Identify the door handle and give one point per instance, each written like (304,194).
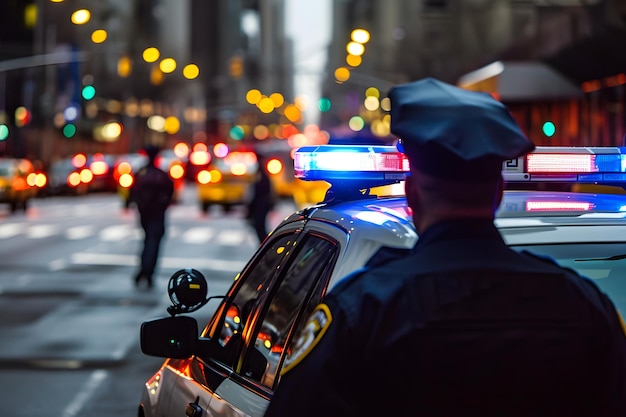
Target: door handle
(193,409)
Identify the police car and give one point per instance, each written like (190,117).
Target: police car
(233,365)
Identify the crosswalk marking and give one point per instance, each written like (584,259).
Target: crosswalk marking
(41,231)
(198,235)
(11,229)
(79,232)
(194,235)
(118,233)
(85,258)
(232,237)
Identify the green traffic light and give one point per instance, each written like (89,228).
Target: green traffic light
(4,132)
(69,130)
(548,129)
(237,133)
(324,104)
(88,92)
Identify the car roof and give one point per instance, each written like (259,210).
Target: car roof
(372,223)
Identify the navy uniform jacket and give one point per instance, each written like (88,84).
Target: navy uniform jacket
(463,325)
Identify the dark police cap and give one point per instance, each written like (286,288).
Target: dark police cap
(452,133)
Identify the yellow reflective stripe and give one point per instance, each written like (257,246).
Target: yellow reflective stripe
(311,334)
(621,320)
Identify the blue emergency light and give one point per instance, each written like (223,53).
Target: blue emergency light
(351,168)
(379,165)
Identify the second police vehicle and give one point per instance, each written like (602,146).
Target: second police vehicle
(231,365)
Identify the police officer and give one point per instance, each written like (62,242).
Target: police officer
(461,325)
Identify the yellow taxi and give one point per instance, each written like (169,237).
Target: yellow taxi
(19,182)
(304,193)
(227,181)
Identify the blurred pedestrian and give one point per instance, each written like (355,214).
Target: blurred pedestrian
(262,200)
(462,324)
(152,192)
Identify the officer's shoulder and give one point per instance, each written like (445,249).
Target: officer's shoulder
(585,285)
(540,257)
(378,262)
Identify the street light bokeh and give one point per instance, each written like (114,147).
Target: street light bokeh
(167,65)
(99,36)
(151,54)
(360,36)
(191,71)
(81,16)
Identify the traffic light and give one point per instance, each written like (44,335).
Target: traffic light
(4,132)
(22,116)
(88,92)
(548,129)
(69,130)
(324,104)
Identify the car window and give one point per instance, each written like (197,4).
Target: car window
(301,280)
(251,291)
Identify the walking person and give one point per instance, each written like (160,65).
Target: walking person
(462,324)
(262,201)
(152,193)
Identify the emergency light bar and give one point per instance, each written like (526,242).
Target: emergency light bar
(379,165)
(568,164)
(350,168)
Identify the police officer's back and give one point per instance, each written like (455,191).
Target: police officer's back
(461,325)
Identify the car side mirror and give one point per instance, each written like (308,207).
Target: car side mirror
(170,337)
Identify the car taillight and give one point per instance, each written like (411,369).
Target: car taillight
(274,166)
(209,177)
(126,180)
(86,176)
(37,179)
(73,180)
(99,167)
(123,168)
(177,171)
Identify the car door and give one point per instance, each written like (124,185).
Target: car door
(268,323)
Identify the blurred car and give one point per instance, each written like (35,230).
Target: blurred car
(227,181)
(234,366)
(101,167)
(279,165)
(62,175)
(18,183)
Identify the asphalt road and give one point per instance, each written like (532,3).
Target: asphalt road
(69,311)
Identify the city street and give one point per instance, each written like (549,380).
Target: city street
(70,314)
